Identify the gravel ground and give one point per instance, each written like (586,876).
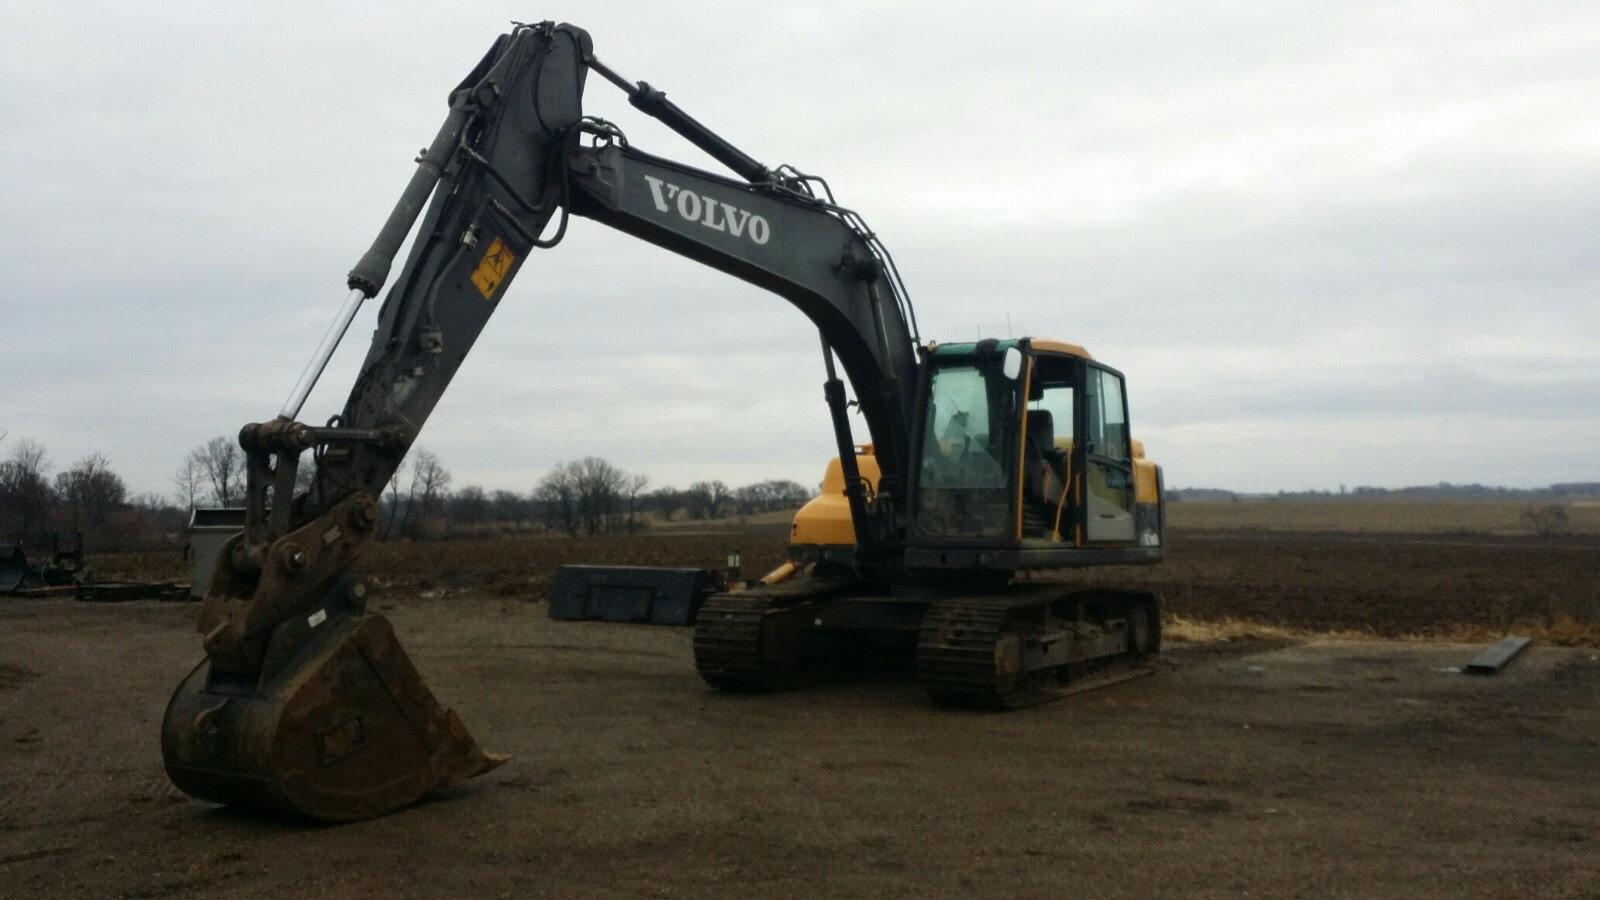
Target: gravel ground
(1252,767)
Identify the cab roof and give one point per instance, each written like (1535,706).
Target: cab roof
(1042,345)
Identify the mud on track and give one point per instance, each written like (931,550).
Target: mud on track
(1312,769)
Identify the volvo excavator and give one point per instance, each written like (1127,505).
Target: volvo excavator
(989,462)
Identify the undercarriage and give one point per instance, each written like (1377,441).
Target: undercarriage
(1013,646)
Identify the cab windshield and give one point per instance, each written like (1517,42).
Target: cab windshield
(966,446)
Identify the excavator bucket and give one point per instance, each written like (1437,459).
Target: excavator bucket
(345,729)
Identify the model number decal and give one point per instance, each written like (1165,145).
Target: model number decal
(708,211)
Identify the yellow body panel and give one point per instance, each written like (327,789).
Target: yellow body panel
(826,519)
(1144,482)
(1050,346)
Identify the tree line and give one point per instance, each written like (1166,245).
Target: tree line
(87,497)
(589,496)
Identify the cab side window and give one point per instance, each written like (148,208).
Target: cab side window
(1108,423)
(1109,476)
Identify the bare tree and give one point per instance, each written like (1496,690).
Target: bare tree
(221,463)
(556,495)
(435,483)
(430,483)
(394,503)
(90,491)
(508,507)
(633,488)
(708,499)
(190,481)
(721,496)
(665,501)
(697,500)
(590,495)
(599,491)
(470,505)
(766,496)
(25,495)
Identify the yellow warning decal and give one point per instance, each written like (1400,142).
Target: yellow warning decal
(492,270)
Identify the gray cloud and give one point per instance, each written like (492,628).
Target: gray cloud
(1327,244)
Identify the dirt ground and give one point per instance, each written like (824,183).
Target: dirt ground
(1257,766)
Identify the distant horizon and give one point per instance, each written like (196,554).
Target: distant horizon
(1558,489)
(753,475)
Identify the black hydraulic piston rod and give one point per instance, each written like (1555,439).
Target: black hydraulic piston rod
(654,103)
(367,278)
(373,270)
(854,492)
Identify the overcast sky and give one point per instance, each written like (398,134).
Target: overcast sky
(1328,243)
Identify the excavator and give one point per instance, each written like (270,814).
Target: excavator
(990,462)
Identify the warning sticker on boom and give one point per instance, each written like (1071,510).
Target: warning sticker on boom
(492,270)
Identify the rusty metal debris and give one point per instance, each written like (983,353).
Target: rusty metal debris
(64,566)
(66,572)
(123,591)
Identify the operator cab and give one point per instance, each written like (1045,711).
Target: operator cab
(1025,461)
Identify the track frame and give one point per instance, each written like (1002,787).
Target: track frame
(1005,648)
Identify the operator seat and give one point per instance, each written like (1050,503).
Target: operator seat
(1047,471)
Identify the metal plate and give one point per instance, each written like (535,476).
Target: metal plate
(643,594)
(1493,659)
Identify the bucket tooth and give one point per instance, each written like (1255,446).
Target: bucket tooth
(345,731)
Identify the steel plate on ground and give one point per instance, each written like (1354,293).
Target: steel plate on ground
(1494,659)
(645,594)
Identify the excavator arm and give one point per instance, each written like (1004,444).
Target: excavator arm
(304,702)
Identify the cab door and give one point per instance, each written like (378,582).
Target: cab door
(1106,510)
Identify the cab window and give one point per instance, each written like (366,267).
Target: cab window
(962,483)
(959,449)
